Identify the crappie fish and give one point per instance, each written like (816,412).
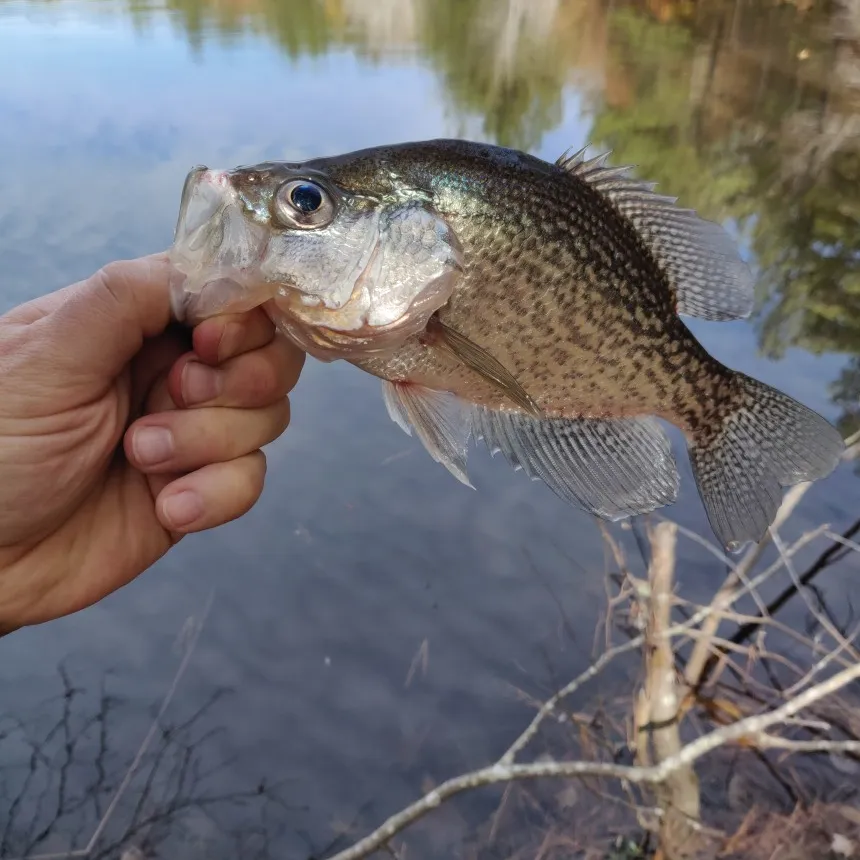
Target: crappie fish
(535,305)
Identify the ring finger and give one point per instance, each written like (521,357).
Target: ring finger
(181,441)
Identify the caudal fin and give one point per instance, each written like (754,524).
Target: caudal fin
(768,442)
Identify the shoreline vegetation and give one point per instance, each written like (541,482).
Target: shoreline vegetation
(747,112)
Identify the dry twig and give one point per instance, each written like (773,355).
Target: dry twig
(743,730)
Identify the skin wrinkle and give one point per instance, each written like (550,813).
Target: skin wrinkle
(89,428)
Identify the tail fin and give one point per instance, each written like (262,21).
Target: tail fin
(768,442)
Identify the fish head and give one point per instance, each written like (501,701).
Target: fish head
(345,272)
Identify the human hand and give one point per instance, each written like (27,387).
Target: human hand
(117,438)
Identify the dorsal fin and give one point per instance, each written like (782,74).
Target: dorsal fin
(702,263)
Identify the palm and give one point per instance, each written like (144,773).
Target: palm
(73,481)
(85,375)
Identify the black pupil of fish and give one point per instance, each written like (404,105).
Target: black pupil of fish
(306,198)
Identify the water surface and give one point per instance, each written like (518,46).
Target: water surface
(362,550)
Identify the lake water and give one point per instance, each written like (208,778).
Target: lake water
(372,620)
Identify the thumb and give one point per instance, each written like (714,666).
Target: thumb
(100,324)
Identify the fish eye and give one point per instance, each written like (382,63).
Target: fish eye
(306,197)
(303,204)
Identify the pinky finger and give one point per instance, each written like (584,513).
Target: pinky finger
(212,495)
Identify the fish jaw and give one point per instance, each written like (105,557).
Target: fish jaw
(371,324)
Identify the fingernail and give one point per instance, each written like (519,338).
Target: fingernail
(152,445)
(182,509)
(200,383)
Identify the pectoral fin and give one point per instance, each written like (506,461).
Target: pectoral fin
(479,360)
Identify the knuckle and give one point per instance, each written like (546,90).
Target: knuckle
(11,341)
(292,369)
(205,439)
(273,423)
(112,280)
(112,274)
(110,271)
(290,354)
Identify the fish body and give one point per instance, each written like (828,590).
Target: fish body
(556,286)
(535,305)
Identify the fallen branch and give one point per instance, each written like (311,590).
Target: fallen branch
(727,595)
(746,729)
(820,564)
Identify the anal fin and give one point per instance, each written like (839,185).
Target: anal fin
(612,468)
(440,419)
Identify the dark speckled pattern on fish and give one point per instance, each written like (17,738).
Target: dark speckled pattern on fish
(557,286)
(556,333)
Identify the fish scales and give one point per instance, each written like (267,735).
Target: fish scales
(562,277)
(535,305)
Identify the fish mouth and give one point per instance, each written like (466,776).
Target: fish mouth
(203,198)
(216,247)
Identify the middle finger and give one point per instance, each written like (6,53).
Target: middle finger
(249,381)
(229,335)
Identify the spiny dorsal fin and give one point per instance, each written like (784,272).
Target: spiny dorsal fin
(709,278)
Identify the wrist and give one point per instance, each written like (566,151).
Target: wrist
(23,586)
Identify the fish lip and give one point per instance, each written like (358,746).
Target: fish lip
(190,180)
(206,194)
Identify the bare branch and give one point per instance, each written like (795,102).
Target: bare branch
(826,660)
(165,704)
(659,701)
(747,729)
(821,563)
(726,596)
(552,703)
(611,654)
(825,622)
(193,628)
(766,741)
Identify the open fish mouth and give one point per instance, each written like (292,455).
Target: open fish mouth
(217,248)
